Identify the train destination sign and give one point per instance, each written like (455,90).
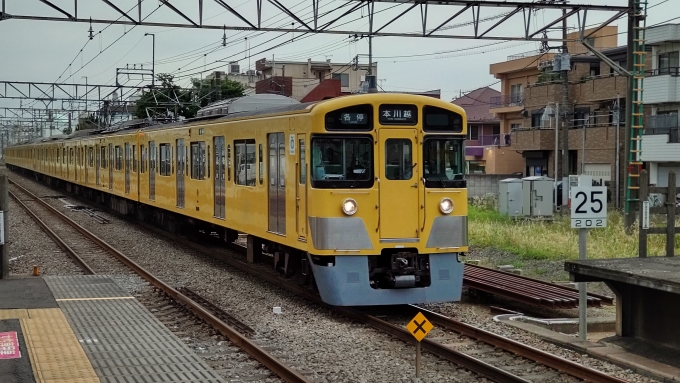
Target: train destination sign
(419,326)
(398,114)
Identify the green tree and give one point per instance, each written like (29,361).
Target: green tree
(210,90)
(169,97)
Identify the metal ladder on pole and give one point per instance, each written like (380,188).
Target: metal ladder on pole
(637,121)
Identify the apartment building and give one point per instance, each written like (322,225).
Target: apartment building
(311,80)
(661,136)
(532,94)
(486,149)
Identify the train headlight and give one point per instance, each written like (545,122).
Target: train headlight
(349,206)
(446,205)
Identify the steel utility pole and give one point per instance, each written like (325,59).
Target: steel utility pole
(153,58)
(565,106)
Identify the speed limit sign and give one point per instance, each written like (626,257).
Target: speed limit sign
(589,207)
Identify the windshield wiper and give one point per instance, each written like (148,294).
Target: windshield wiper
(357,179)
(441,180)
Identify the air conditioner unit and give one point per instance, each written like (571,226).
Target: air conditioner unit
(234,68)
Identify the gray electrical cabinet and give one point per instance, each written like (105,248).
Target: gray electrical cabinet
(510,197)
(537,196)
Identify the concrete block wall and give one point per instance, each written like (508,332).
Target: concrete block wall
(479,185)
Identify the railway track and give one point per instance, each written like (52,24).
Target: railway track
(491,356)
(94,256)
(494,357)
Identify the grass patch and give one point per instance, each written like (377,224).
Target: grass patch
(556,239)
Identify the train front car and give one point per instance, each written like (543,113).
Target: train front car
(387,200)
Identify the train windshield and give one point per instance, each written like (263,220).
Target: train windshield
(443,163)
(342,162)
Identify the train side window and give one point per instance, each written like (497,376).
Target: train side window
(165,159)
(63,155)
(90,156)
(58,155)
(142,165)
(198,160)
(134,158)
(228,162)
(244,162)
(303,162)
(103,156)
(118,158)
(261,167)
(70,156)
(208,162)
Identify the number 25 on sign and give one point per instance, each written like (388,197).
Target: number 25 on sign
(589,207)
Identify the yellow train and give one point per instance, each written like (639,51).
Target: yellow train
(363,196)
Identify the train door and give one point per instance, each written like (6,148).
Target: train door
(398,183)
(128,155)
(97,165)
(301,189)
(152,170)
(277,182)
(111,163)
(180,172)
(218,195)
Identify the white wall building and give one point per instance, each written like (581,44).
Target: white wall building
(661,139)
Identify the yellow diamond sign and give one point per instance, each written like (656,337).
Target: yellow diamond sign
(419,326)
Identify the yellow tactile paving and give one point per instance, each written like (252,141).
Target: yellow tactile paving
(13,314)
(56,355)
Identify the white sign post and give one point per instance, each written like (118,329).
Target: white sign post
(588,211)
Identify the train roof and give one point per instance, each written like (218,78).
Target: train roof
(299,108)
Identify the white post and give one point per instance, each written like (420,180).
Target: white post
(417,379)
(582,293)
(557,124)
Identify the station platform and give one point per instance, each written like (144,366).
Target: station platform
(85,328)
(647,302)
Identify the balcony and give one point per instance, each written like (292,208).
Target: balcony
(506,103)
(662,85)
(533,139)
(490,140)
(664,124)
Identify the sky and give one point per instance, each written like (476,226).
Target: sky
(41,51)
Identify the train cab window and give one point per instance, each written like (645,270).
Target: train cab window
(340,162)
(443,160)
(145,158)
(118,158)
(198,160)
(398,159)
(165,158)
(244,162)
(103,156)
(441,120)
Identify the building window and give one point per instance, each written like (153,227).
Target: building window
(669,63)
(474,132)
(594,69)
(581,116)
(536,118)
(516,94)
(476,167)
(515,127)
(343,77)
(244,162)
(166,160)
(198,160)
(496,129)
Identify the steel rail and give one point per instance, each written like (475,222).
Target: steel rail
(60,242)
(268,360)
(532,353)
